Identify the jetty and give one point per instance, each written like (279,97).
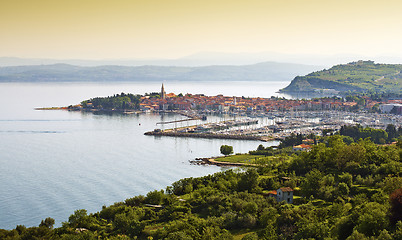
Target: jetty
(176,121)
(213,161)
(190,116)
(208,135)
(213,130)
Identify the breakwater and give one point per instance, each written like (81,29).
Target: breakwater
(213,161)
(209,135)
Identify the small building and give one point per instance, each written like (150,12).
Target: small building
(282,194)
(302,147)
(391,108)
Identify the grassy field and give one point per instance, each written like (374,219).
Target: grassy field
(240,158)
(253,159)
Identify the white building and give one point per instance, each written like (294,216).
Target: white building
(387,108)
(282,194)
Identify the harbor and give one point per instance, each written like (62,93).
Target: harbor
(272,125)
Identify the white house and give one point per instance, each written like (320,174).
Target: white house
(282,194)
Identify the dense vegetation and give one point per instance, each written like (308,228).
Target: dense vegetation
(380,136)
(349,133)
(361,76)
(342,191)
(116,102)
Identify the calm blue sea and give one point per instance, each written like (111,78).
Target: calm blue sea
(55,162)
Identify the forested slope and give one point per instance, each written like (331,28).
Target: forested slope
(342,191)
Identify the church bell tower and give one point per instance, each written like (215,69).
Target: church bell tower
(163,93)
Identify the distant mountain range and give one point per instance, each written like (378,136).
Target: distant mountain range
(266,71)
(360,76)
(207,59)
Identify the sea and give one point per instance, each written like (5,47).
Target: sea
(53,162)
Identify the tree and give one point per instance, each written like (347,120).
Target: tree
(79,219)
(249,180)
(155,197)
(48,222)
(392,132)
(372,219)
(356,236)
(343,189)
(396,206)
(311,184)
(226,150)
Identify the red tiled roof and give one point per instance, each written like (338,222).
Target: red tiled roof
(302,146)
(286,189)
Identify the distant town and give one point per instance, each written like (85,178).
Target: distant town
(222,103)
(282,117)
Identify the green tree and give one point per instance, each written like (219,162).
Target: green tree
(260,147)
(48,222)
(343,189)
(251,236)
(356,236)
(249,180)
(396,206)
(384,235)
(226,150)
(79,219)
(180,235)
(392,131)
(373,219)
(311,184)
(155,197)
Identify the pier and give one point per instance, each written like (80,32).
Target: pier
(176,121)
(212,130)
(209,135)
(190,116)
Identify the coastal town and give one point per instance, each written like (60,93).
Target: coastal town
(246,118)
(234,104)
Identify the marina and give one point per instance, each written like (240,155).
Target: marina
(274,125)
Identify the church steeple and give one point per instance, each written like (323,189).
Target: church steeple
(163,93)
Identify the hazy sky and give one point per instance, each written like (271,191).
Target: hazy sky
(109,29)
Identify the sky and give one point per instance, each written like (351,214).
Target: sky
(147,29)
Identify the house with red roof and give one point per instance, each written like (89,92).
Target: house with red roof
(282,194)
(302,147)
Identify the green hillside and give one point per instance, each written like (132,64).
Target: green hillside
(361,76)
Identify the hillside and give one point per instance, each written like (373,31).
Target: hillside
(361,76)
(335,191)
(267,71)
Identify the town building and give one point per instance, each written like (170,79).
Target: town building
(391,108)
